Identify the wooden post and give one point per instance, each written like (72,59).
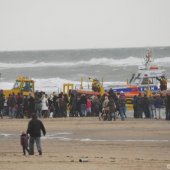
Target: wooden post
(81,85)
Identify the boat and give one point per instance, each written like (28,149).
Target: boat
(96,89)
(145,80)
(147,76)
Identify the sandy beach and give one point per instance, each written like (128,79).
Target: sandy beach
(131,144)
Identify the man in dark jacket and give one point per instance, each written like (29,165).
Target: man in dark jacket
(35,126)
(2,100)
(167,106)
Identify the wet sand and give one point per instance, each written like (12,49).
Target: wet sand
(131,144)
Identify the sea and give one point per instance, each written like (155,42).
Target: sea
(52,68)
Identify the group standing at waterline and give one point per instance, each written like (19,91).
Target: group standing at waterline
(107,107)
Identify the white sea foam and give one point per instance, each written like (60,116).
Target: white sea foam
(130,61)
(56,84)
(92,140)
(58,136)
(63,138)
(5,135)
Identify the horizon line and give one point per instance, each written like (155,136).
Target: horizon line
(74,49)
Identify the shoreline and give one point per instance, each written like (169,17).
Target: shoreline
(130,144)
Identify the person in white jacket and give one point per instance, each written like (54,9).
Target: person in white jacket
(44,105)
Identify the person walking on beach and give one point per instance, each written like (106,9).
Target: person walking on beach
(152,109)
(83,102)
(146,106)
(35,126)
(2,100)
(24,142)
(96,104)
(139,102)
(167,106)
(38,105)
(73,106)
(112,108)
(19,105)
(45,106)
(122,105)
(88,106)
(134,101)
(31,105)
(11,102)
(158,105)
(105,109)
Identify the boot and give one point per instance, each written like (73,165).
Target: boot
(1,115)
(40,152)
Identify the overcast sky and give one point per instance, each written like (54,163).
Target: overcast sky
(79,24)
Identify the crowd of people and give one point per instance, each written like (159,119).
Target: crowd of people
(151,107)
(60,105)
(107,107)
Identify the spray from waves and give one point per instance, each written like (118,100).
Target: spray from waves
(47,85)
(130,61)
(56,84)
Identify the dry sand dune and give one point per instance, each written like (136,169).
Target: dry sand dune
(131,144)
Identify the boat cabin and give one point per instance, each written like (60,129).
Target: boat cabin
(147,77)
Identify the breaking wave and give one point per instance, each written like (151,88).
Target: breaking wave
(130,61)
(56,84)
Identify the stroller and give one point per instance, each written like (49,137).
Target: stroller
(105,115)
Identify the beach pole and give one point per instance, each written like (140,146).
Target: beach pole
(148,92)
(0,78)
(102,88)
(81,85)
(102,82)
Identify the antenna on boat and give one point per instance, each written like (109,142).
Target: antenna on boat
(148,58)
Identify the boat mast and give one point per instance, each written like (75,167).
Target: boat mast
(148,58)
